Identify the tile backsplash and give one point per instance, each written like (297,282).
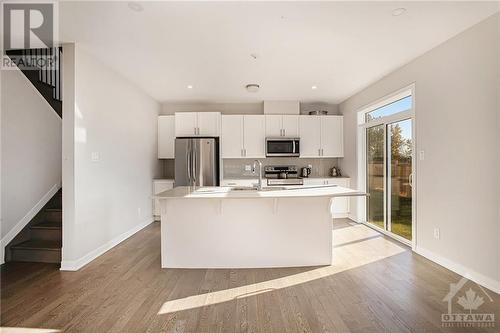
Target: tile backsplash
(235,168)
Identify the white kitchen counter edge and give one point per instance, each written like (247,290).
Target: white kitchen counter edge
(185,192)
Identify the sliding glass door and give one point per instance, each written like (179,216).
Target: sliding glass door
(399,178)
(375,166)
(389,167)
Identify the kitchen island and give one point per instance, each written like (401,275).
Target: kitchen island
(224,227)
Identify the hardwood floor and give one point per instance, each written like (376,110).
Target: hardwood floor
(375,285)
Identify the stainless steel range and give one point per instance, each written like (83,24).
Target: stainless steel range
(282,175)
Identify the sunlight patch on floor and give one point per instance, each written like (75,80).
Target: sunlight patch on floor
(27,330)
(360,246)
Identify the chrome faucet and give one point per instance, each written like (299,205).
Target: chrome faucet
(255,162)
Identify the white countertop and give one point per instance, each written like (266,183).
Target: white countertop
(186,192)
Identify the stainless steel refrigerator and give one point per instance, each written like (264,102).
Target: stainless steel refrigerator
(196,162)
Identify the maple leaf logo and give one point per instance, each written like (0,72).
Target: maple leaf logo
(471,301)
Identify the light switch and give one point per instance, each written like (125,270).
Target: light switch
(421,155)
(95,156)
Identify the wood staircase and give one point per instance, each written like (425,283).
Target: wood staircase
(41,239)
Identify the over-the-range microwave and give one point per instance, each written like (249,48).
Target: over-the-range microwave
(282,147)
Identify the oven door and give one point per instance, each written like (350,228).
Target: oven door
(282,147)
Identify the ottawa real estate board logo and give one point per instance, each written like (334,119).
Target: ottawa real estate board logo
(30,26)
(465,299)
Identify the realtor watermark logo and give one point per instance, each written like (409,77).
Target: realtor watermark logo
(28,25)
(469,296)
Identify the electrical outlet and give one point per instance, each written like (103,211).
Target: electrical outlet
(421,155)
(436,233)
(248,167)
(95,156)
(139,211)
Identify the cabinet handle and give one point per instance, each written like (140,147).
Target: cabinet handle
(245,151)
(284,132)
(319,152)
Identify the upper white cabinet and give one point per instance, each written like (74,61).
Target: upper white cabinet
(209,123)
(321,136)
(197,124)
(232,136)
(186,123)
(310,136)
(332,136)
(243,136)
(166,136)
(254,136)
(282,126)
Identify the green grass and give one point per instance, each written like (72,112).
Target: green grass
(401,217)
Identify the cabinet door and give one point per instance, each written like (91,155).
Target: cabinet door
(274,126)
(291,126)
(310,136)
(340,207)
(166,136)
(332,137)
(158,187)
(185,124)
(232,136)
(254,136)
(209,123)
(314,181)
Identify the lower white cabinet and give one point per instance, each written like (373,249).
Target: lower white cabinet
(160,185)
(340,207)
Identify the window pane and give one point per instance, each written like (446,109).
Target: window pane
(375,142)
(400,182)
(392,108)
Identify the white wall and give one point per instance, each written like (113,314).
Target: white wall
(239,108)
(457,89)
(112,196)
(31,153)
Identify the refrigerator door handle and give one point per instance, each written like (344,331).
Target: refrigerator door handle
(194,171)
(188,162)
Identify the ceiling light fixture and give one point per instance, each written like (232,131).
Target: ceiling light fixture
(398,11)
(190,86)
(252,87)
(314,87)
(135,6)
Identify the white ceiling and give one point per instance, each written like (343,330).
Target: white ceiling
(340,47)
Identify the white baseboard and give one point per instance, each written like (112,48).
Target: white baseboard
(74,265)
(472,275)
(26,219)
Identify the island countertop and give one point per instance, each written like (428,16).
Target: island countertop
(188,192)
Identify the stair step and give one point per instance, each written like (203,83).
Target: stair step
(52,215)
(38,244)
(36,255)
(47,225)
(46,230)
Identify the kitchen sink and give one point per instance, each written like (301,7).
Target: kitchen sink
(252,188)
